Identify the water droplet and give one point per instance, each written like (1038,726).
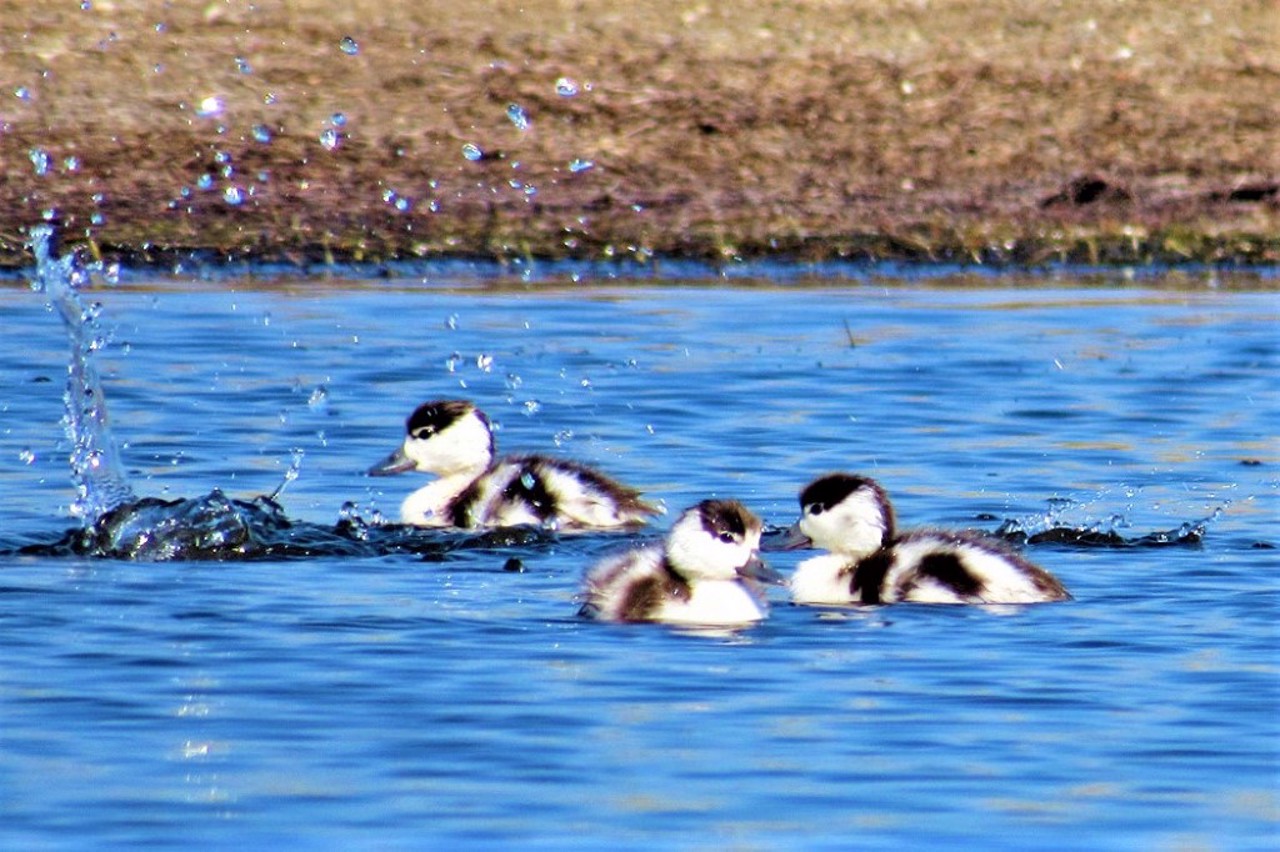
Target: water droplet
(233,195)
(319,398)
(243,66)
(85,5)
(527,480)
(579,165)
(205,182)
(403,204)
(451,322)
(329,139)
(270,98)
(97,219)
(26,456)
(484,362)
(338,119)
(472,152)
(210,107)
(349,46)
(566,87)
(261,133)
(39,159)
(532,407)
(22,93)
(518,116)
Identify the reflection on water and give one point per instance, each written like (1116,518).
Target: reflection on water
(329,680)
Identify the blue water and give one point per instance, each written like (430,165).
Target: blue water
(417,697)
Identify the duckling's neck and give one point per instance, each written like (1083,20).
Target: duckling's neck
(866,542)
(430,504)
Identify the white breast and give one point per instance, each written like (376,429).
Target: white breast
(713,604)
(822,580)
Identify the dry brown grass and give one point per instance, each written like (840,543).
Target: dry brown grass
(867,128)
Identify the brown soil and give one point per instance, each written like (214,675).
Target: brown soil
(1098,131)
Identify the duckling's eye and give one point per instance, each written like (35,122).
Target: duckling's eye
(815,508)
(727,538)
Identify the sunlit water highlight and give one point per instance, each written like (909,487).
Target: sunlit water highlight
(372,686)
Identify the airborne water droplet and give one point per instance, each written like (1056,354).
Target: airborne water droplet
(518,116)
(329,139)
(233,195)
(566,88)
(319,398)
(261,133)
(472,152)
(243,66)
(210,107)
(39,159)
(580,165)
(349,46)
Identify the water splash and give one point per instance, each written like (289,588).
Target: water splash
(96,469)
(1052,527)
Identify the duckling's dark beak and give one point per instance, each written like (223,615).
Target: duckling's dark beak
(395,463)
(757,569)
(790,539)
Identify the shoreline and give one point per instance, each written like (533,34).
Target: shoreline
(943,132)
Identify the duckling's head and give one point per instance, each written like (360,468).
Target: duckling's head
(717,540)
(846,514)
(442,437)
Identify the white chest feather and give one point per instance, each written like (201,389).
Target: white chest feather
(428,506)
(823,579)
(713,604)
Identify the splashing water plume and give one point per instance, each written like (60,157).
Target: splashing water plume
(96,470)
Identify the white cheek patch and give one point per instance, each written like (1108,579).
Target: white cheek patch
(463,445)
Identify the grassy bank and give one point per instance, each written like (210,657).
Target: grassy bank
(1122,131)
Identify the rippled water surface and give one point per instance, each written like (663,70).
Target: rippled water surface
(408,696)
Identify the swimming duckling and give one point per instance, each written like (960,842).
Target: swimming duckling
(702,574)
(453,439)
(871,563)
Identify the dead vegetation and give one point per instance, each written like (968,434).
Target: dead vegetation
(1101,131)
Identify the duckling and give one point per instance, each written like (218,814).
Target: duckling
(454,440)
(701,575)
(872,563)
